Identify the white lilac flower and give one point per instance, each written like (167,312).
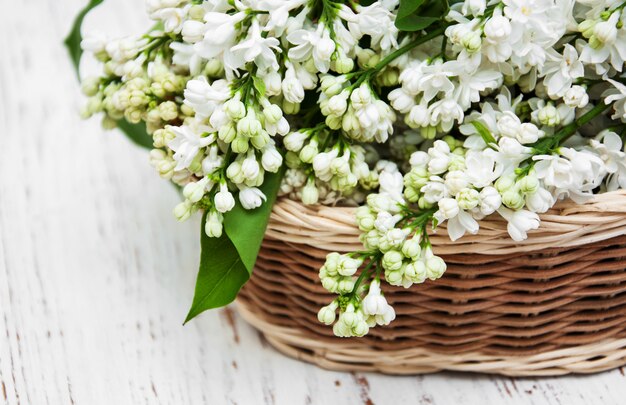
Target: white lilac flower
(617,96)
(576,97)
(278,11)
(519,222)
(312,43)
(376,21)
(204,98)
(255,48)
(560,70)
(497,31)
(187,144)
(220,34)
(540,201)
(251,197)
(481,167)
(607,44)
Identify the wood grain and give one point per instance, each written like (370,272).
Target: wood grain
(96,275)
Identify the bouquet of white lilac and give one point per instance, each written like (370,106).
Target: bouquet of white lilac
(419,112)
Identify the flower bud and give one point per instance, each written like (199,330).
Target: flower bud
(310,193)
(345,285)
(308,153)
(365,219)
(435,267)
(472,42)
(419,116)
(330,85)
(392,260)
(504,183)
(168,111)
(529,133)
(344,65)
(576,97)
(272,113)
(90,86)
(348,266)
(234,173)
(490,200)
(239,144)
(428,132)
(250,167)
(195,191)
(294,141)
(214,68)
(411,248)
(213,225)
(260,140)
(474,7)
(540,201)
(468,198)
(227,133)
(528,184)
(235,109)
(586,27)
(273,82)
(338,104)
(193,31)
(512,199)
(271,160)
(327,314)
(455,181)
(393,277)
(448,208)
(224,200)
(330,284)
(251,198)
(549,116)
(497,28)
(183,211)
(334,122)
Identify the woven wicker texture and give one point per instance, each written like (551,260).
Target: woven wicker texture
(553,304)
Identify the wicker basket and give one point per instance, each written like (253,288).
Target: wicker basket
(554,304)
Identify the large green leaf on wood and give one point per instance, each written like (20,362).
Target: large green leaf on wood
(135,132)
(221,274)
(226,263)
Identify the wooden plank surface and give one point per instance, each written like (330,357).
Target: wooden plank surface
(96,275)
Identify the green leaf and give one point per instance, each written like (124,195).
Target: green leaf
(408,7)
(259,85)
(226,263)
(415,23)
(246,228)
(484,132)
(366,3)
(221,274)
(72,42)
(416,15)
(136,133)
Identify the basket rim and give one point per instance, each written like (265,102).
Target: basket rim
(568,224)
(354,356)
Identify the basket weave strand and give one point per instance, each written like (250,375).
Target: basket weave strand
(553,304)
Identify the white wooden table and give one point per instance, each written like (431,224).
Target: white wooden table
(96,276)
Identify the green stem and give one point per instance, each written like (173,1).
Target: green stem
(367,74)
(419,219)
(549,145)
(566,132)
(406,48)
(375,258)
